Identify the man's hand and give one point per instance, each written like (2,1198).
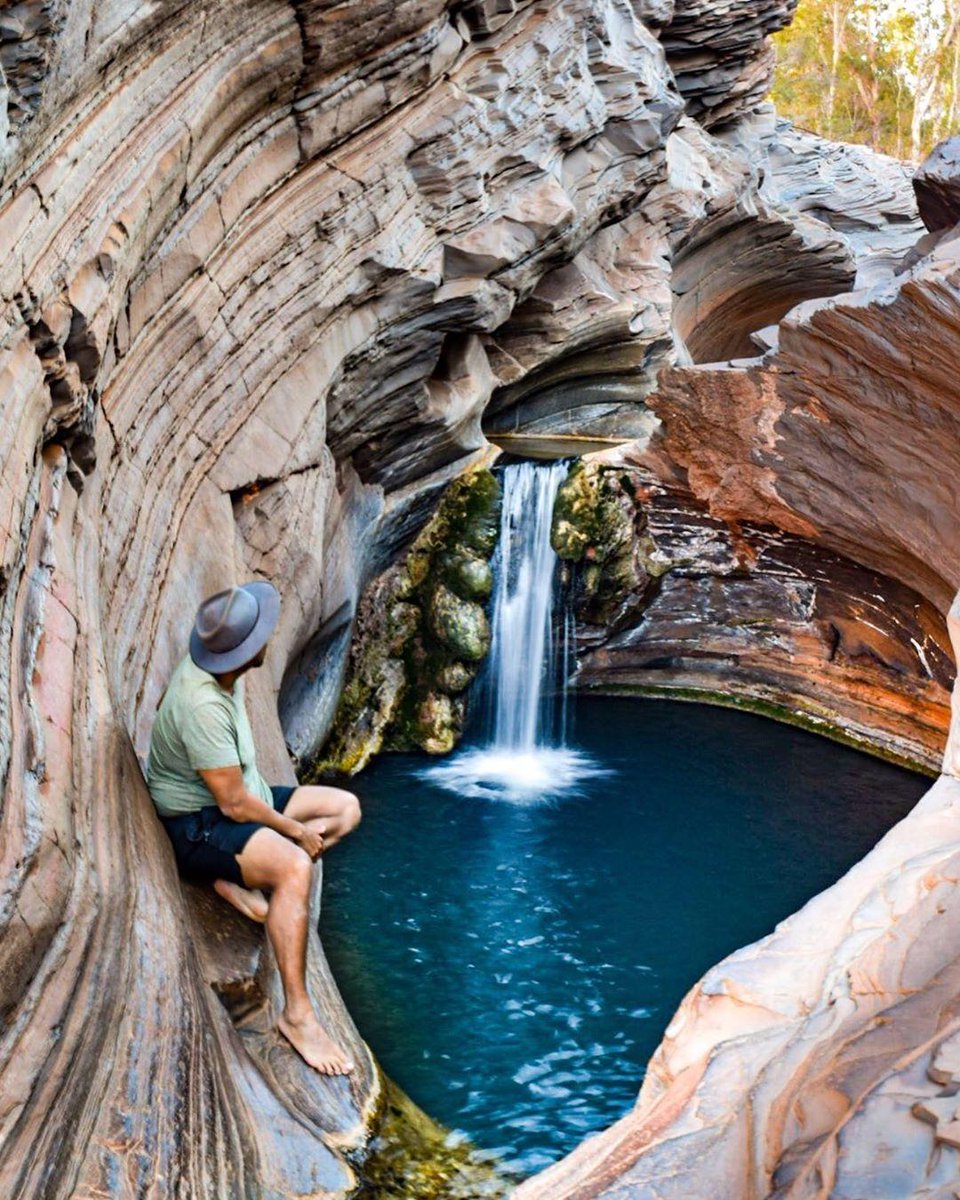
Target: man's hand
(234,801)
(312,842)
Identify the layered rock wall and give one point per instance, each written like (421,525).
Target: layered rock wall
(250,253)
(750,615)
(265,268)
(821,1060)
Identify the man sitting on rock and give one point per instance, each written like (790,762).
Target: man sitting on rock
(226,823)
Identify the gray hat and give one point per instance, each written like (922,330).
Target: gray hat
(233,626)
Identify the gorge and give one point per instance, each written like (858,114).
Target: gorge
(279,281)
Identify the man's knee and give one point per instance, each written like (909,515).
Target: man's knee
(351,811)
(296,868)
(271,860)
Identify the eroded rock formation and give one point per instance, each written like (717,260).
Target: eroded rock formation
(674,600)
(265,269)
(819,1061)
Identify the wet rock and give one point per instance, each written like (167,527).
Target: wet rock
(454,678)
(460,625)
(418,641)
(437,723)
(751,616)
(468,575)
(598,525)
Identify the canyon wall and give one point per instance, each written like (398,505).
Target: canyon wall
(270,274)
(821,1060)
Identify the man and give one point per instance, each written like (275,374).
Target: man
(226,823)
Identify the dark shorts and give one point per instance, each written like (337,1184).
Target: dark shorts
(206,842)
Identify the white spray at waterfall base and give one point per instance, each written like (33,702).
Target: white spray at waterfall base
(524,755)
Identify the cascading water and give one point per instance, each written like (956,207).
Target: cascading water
(523,664)
(523,753)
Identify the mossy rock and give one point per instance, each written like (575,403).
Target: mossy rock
(460,625)
(363,718)
(438,723)
(410,1155)
(420,626)
(416,569)
(403,622)
(599,524)
(585,515)
(471,512)
(467,574)
(455,677)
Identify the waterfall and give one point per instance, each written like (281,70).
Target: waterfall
(522,755)
(526,664)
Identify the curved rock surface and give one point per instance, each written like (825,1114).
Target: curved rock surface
(245,271)
(265,269)
(746,614)
(820,1061)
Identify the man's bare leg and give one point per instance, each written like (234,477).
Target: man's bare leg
(273,861)
(250,901)
(332,812)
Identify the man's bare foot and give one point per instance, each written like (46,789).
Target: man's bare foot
(251,903)
(314,1046)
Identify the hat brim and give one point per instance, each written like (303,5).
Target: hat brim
(268,600)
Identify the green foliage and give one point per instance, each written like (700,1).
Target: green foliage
(881,72)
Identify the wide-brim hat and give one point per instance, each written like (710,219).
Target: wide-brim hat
(233,626)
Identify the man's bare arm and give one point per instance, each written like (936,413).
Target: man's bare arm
(230,793)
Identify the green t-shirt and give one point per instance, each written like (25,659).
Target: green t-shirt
(199,726)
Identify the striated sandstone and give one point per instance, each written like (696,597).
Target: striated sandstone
(820,1060)
(266,270)
(741,229)
(250,255)
(720,56)
(750,615)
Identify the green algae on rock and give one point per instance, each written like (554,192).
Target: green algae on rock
(411,1155)
(421,634)
(458,623)
(600,525)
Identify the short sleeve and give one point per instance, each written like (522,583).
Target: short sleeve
(210,738)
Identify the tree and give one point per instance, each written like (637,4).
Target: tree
(888,66)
